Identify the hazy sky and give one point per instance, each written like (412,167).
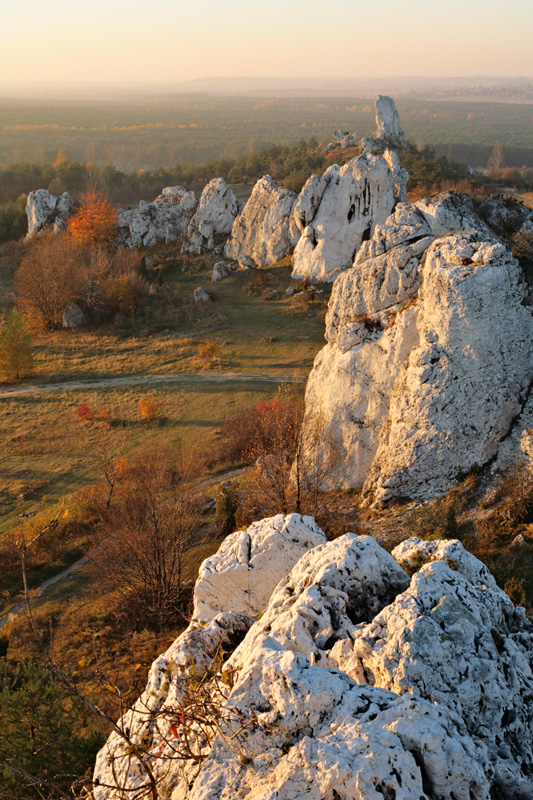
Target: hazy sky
(160,40)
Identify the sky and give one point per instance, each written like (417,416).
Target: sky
(119,41)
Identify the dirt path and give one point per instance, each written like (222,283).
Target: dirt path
(139,380)
(39,591)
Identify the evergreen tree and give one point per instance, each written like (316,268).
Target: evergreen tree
(16,358)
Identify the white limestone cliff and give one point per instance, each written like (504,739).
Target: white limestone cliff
(338,212)
(265,229)
(213,217)
(420,333)
(46,211)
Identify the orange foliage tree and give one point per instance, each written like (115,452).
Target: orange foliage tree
(95,221)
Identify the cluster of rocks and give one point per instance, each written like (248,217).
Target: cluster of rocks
(165,220)
(342,677)
(324,225)
(429,358)
(174,216)
(334,213)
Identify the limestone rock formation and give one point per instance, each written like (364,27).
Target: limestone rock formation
(357,682)
(265,230)
(213,217)
(448,212)
(419,332)
(337,212)
(474,335)
(388,122)
(201,295)
(505,216)
(45,210)
(164,220)
(249,564)
(220,271)
(461,644)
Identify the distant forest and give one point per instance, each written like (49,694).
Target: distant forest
(159,132)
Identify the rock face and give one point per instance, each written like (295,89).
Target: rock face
(249,564)
(388,122)
(164,220)
(45,210)
(357,682)
(214,217)
(265,230)
(459,643)
(337,212)
(419,333)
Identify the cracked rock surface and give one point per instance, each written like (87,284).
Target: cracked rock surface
(356,683)
(428,361)
(45,210)
(265,230)
(214,216)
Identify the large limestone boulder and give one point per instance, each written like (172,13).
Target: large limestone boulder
(461,644)
(45,210)
(356,682)
(164,220)
(450,212)
(338,211)
(265,230)
(213,218)
(388,122)
(419,332)
(474,336)
(249,564)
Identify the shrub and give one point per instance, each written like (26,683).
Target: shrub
(227,504)
(258,282)
(210,352)
(95,221)
(149,408)
(48,280)
(516,487)
(16,358)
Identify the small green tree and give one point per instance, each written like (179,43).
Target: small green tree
(16,358)
(47,739)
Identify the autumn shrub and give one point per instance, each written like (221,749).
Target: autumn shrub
(300,303)
(516,489)
(48,280)
(149,528)
(210,352)
(258,283)
(16,357)
(95,221)
(149,408)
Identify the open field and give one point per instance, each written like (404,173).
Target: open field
(161,131)
(47,454)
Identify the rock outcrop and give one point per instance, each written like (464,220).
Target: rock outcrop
(356,682)
(265,230)
(163,221)
(338,211)
(388,122)
(213,217)
(46,211)
(420,332)
(249,564)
